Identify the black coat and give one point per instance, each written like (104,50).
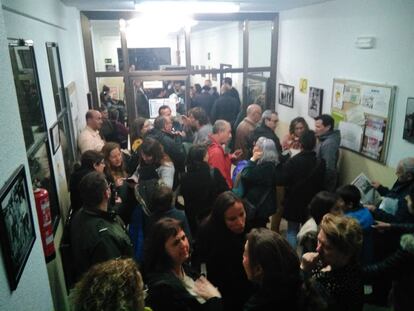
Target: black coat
(303,177)
(97,236)
(275,298)
(398,191)
(341,288)
(205,101)
(263,131)
(200,190)
(259,183)
(172,147)
(226,108)
(222,251)
(166,292)
(75,178)
(398,267)
(142,105)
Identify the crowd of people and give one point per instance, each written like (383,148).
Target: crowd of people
(165,225)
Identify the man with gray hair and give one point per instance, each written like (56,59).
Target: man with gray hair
(217,156)
(393,207)
(246,128)
(267,129)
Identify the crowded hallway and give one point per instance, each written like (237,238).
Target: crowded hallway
(204,167)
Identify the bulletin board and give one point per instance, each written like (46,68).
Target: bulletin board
(363,113)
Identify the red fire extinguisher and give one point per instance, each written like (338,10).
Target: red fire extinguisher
(45,222)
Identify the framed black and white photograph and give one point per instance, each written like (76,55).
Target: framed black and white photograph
(409,121)
(17,234)
(286,93)
(55,137)
(315,102)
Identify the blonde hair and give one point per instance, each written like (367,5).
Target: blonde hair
(344,234)
(112,285)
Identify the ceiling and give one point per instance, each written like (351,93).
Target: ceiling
(245,5)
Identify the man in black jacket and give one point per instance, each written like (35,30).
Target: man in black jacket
(267,129)
(96,234)
(172,144)
(226,107)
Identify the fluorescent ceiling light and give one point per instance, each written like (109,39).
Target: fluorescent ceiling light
(188,7)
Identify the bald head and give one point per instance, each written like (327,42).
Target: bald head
(94,119)
(254,112)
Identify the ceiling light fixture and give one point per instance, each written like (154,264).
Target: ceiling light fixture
(187,7)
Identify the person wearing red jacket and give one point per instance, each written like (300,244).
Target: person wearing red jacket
(217,156)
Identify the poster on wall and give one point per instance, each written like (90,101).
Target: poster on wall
(17,233)
(373,141)
(286,93)
(156,103)
(315,102)
(365,107)
(375,100)
(352,94)
(409,121)
(338,93)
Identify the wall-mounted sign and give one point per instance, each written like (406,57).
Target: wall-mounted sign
(153,85)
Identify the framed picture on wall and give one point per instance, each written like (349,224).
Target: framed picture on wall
(286,93)
(17,234)
(409,121)
(55,137)
(315,102)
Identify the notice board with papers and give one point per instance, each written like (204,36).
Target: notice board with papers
(363,113)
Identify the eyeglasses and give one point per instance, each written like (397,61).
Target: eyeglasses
(273,120)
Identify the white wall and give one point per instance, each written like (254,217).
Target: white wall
(45,21)
(317,42)
(33,289)
(223,42)
(65,31)
(260,43)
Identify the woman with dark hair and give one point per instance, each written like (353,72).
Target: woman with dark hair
(200,186)
(296,128)
(219,247)
(272,264)
(91,160)
(171,285)
(323,202)
(155,163)
(138,129)
(111,285)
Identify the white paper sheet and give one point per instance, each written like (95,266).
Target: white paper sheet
(376,100)
(356,115)
(351,135)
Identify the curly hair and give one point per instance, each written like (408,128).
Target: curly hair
(344,233)
(112,285)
